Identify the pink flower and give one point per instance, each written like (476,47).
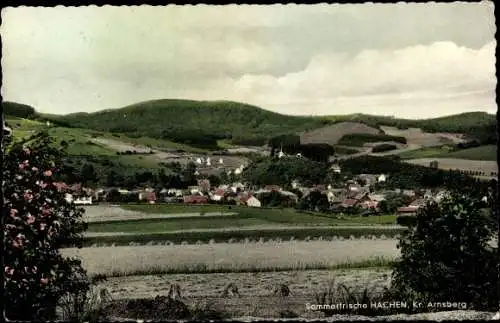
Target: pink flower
(30,219)
(44,281)
(21,166)
(47,173)
(13,212)
(9,270)
(10,226)
(27,151)
(16,244)
(42,184)
(46,211)
(28,196)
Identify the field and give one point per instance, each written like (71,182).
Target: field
(416,136)
(487,167)
(333,133)
(289,255)
(171,217)
(487,153)
(256,289)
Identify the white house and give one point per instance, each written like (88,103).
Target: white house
(83,201)
(221,161)
(237,171)
(336,169)
(209,162)
(381,178)
(281,153)
(330,196)
(174,191)
(253,202)
(68,197)
(198,160)
(295,183)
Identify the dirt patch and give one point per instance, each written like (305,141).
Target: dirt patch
(332,134)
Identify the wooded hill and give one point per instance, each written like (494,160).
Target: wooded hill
(202,123)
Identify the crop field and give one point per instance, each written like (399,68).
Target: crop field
(332,134)
(290,255)
(239,235)
(163,218)
(418,137)
(461,164)
(487,153)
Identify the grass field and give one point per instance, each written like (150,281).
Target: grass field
(121,261)
(242,217)
(488,152)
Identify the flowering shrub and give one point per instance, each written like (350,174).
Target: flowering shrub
(38,221)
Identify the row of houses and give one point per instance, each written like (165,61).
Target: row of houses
(352,194)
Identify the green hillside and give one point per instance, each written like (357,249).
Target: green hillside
(198,123)
(207,124)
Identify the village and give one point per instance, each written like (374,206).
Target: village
(357,195)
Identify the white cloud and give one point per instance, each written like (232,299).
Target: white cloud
(384,59)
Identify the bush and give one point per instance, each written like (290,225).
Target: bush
(446,255)
(406,220)
(383,147)
(38,223)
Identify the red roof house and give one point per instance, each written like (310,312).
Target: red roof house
(195,199)
(275,188)
(349,202)
(151,197)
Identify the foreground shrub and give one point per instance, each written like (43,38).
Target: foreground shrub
(38,221)
(446,256)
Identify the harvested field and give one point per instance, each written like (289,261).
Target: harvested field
(332,134)
(122,261)
(251,234)
(256,289)
(101,213)
(416,136)
(461,164)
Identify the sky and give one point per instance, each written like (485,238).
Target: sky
(415,60)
